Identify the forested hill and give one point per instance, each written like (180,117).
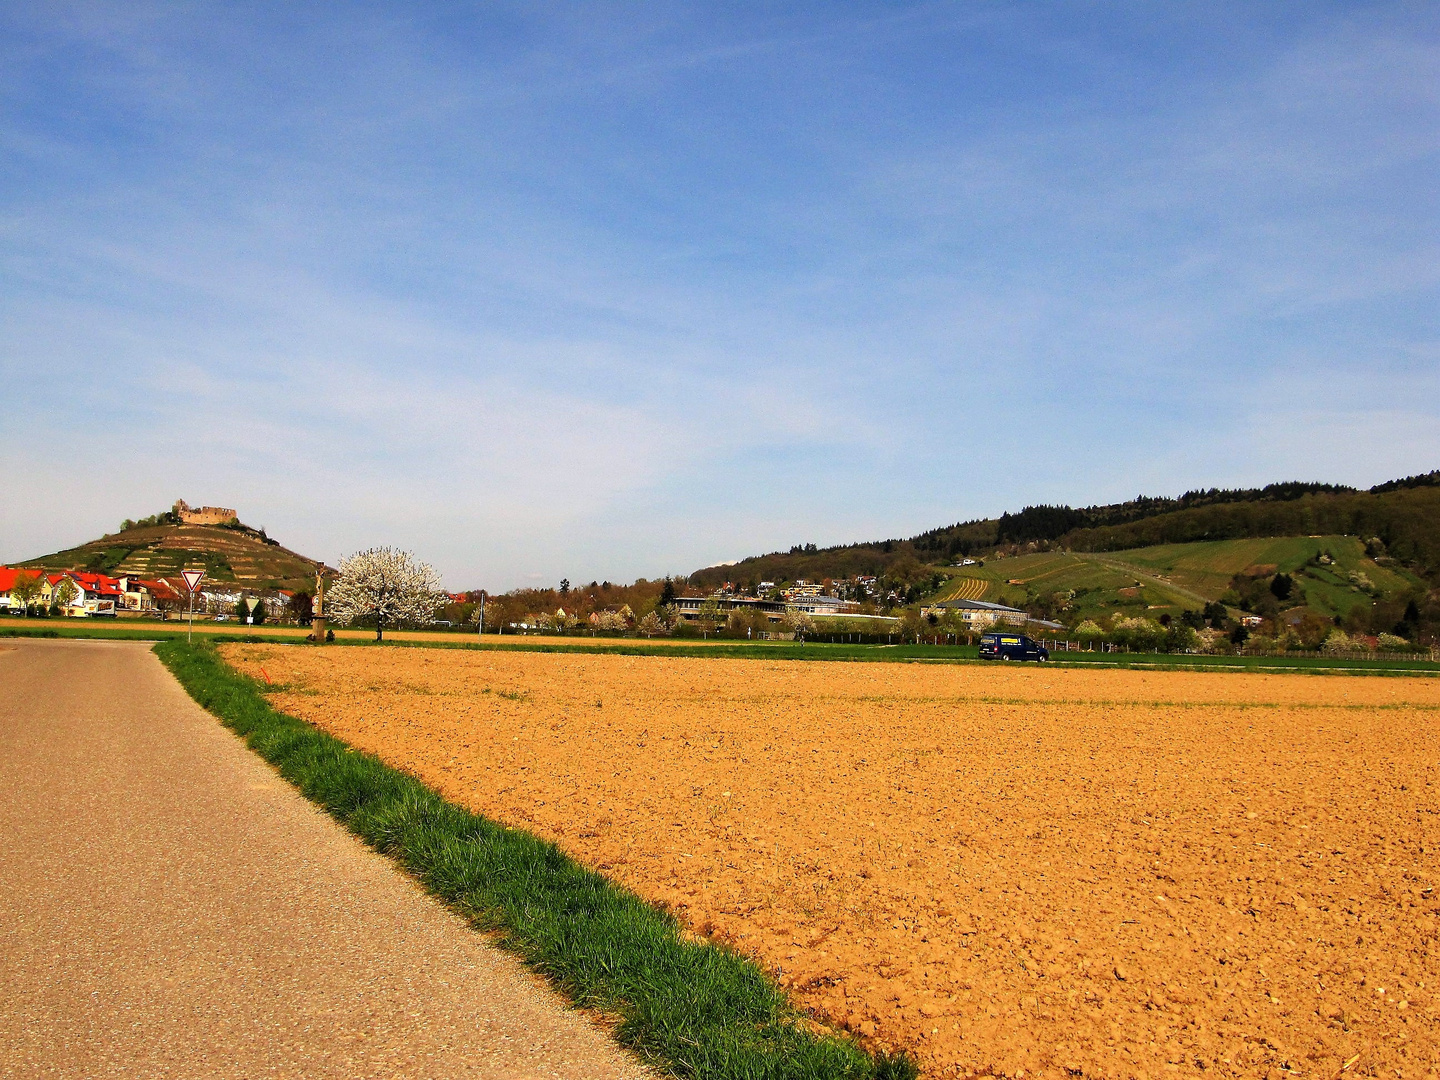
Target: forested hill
(1403,514)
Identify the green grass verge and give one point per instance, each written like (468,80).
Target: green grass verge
(695,1009)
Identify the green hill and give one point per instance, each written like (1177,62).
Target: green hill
(1332,576)
(1403,514)
(1371,558)
(229,553)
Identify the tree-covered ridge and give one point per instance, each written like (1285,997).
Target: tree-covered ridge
(1405,520)
(1430,479)
(1053,522)
(1404,514)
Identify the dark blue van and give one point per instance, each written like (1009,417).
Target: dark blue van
(1011,647)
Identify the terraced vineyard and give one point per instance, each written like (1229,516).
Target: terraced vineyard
(1101,582)
(966,588)
(239,555)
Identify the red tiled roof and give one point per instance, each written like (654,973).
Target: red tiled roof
(160,589)
(100,584)
(8,574)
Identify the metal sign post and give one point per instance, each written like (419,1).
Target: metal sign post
(192,580)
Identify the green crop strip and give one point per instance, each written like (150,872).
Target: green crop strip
(694,1009)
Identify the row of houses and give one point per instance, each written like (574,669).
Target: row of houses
(976,615)
(94,595)
(82,594)
(806,596)
(973,614)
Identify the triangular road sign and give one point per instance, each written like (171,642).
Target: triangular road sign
(192,577)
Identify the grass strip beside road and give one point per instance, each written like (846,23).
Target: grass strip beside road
(696,1009)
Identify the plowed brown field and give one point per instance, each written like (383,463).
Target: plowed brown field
(1019,871)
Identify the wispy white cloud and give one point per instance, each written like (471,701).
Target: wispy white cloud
(538,292)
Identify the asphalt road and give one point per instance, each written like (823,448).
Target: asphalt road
(169,907)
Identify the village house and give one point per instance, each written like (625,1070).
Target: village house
(9,576)
(95,594)
(153,594)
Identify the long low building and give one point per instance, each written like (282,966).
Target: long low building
(818,604)
(688,607)
(978,613)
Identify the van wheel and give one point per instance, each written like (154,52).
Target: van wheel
(1005,657)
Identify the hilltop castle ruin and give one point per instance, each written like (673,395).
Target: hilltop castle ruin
(204,515)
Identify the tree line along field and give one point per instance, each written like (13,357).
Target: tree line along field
(1172,578)
(1060,872)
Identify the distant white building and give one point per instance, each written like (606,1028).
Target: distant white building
(822,605)
(216,602)
(980,613)
(688,607)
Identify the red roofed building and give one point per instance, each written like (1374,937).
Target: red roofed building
(153,594)
(10,575)
(97,595)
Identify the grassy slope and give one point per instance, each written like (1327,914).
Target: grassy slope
(1097,580)
(693,1007)
(1173,577)
(1208,566)
(228,555)
(1406,518)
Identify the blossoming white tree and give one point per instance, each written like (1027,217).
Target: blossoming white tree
(798,623)
(613,621)
(387,585)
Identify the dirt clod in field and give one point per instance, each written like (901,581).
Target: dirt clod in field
(1029,872)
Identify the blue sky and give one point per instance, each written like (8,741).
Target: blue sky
(601,291)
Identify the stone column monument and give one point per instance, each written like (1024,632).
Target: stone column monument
(317,615)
